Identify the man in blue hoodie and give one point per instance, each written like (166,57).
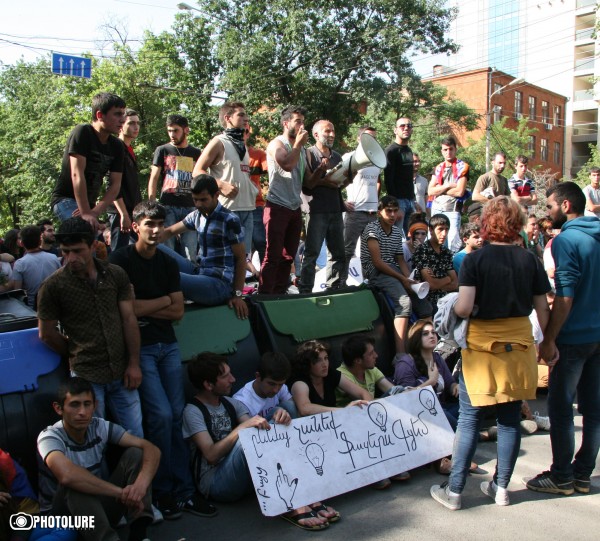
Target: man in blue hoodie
(571,344)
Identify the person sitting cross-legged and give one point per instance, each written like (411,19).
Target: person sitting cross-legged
(72,480)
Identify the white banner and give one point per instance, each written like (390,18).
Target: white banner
(320,456)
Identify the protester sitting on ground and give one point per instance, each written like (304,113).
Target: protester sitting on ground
(212,423)
(220,273)
(268,395)
(384,267)
(504,282)
(33,268)
(72,469)
(469,233)
(314,381)
(359,358)
(417,235)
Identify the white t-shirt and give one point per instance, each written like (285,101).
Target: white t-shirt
(594,196)
(421,186)
(362,191)
(261,406)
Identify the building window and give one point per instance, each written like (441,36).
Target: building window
(531,146)
(497,87)
(545,112)
(518,104)
(497,113)
(544,150)
(557,116)
(532,103)
(557,152)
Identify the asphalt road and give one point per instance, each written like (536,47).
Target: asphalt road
(406,510)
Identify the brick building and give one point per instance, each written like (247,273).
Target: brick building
(544,109)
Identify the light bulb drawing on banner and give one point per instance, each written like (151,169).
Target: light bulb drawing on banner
(427,399)
(316,456)
(378,414)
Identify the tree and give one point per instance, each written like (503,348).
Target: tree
(583,176)
(328,56)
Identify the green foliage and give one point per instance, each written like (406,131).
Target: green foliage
(511,142)
(583,177)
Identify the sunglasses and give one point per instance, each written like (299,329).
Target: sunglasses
(404,126)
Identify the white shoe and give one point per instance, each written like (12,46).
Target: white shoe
(499,495)
(157,517)
(542,422)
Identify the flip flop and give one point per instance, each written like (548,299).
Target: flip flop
(318,508)
(295,520)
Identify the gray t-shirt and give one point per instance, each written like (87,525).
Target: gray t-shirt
(32,269)
(285,187)
(193,423)
(590,193)
(88,455)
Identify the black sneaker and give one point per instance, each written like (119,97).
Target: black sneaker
(546,482)
(197,505)
(168,507)
(582,485)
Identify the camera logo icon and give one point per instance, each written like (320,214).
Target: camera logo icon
(21,521)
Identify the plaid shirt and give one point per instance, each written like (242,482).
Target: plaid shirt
(90,316)
(217,233)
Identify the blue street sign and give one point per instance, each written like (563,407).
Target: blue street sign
(75,66)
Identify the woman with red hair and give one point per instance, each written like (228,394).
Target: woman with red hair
(498,286)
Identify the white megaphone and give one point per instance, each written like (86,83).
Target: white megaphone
(368,152)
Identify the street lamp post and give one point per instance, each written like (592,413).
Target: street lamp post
(488,117)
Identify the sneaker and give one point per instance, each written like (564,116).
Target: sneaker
(546,482)
(441,494)
(528,427)
(543,423)
(491,489)
(168,507)
(157,516)
(582,485)
(198,506)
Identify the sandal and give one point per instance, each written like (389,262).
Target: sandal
(295,520)
(321,507)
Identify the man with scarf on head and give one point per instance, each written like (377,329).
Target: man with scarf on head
(227,160)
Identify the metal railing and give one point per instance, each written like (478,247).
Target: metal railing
(582,95)
(588,128)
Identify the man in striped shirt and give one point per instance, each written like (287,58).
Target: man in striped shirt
(384,266)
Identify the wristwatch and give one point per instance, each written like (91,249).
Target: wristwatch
(238,293)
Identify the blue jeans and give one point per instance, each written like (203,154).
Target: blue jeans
(231,480)
(407,206)
(201,289)
(247,220)
(64,209)
(188,239)
(577,372)
(467,436)
(259,234)
(123,403)
(328,226)
(118,239)
(163,400)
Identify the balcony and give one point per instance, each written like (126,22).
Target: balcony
(583,95)
(585,3)
(585,64)
(587,128)
(584,34)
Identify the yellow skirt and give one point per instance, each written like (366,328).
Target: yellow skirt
(500,362)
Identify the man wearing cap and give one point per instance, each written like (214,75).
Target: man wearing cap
(492,184)
(93,301)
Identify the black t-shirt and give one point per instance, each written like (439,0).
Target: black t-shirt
(176,165)
(130,186)
(399,170)
(324,199)
(100,159)
(330,384)
(151,278)
(506,278)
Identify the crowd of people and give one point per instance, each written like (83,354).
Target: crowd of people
(109,304)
